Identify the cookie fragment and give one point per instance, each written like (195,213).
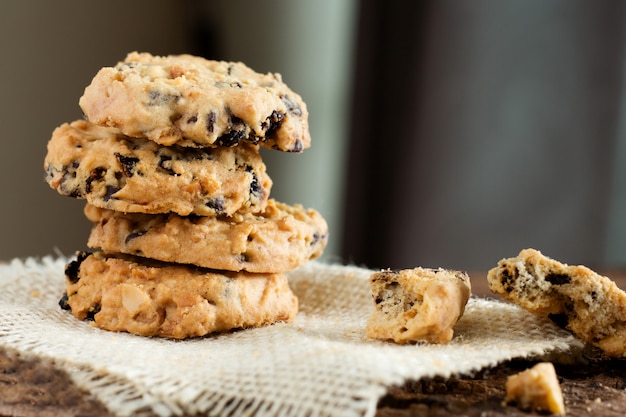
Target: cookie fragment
(150,298)
(415,305)
(279,239)
(589,305)
(536,389)
(192,101)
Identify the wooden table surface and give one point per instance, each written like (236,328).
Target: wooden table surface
(36,388)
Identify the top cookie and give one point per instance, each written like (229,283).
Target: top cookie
(192,101)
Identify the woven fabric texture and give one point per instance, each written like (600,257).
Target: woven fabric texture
(322,364)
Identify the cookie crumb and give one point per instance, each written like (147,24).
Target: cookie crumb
(536,389)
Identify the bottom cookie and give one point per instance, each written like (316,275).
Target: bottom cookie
(118,293)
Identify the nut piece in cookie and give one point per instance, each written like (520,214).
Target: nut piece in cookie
(589,305)
(416,305)
(536,389)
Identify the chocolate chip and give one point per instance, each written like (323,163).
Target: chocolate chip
(93,310)
(192,119)
(211,118)
(558,279)
(255,187)
(165,164)
(134,235)
(71,272)
(231,138)
(560,319)
(96,175)
(63,302)
(128,164)
(507,279)
(252,138)
(316,238)
(72,269)
(235,134)
(69,174)
(157,98)
(110,190)
(273,123)
(216,204)
(292,106)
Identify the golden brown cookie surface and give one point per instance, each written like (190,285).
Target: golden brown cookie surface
(574,297)
(279,239)
(420,304)
(197,102)
(117,172)
(173,301)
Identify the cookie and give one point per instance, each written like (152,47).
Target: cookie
(417,305)
(127,174)
(192,101)
(536,389)
(279,239)
(589,305)
(148,298)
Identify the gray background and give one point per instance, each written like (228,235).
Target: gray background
(51,50)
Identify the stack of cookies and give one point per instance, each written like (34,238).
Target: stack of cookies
(186,240)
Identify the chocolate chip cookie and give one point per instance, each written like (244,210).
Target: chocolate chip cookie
(576,298)
(417,305)
(148,298)
(114,171)
(279,239)
(192,101)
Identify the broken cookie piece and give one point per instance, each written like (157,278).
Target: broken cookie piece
(417,305)
(589,305)
(536,389)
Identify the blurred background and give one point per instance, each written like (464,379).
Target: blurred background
(445,133)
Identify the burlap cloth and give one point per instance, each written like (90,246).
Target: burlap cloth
(322,364)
